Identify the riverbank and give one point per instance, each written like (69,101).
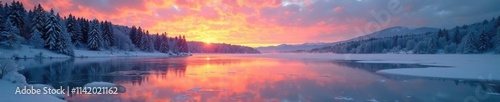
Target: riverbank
(30,52)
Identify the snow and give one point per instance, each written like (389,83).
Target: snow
(372,100)
(27,51)
(15,77)
(344,98)
(7,95)
(461,66)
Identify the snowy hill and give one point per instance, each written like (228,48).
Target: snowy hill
(394,31)
(291,47)
(481,37)
(388,32)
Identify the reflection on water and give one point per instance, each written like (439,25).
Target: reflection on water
(223,78)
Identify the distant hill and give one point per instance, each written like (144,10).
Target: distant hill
(388,32)
(290,47)
(480,37)
(395,31)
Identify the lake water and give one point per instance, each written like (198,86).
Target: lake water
(216,78)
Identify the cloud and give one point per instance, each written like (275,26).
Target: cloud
(271,22)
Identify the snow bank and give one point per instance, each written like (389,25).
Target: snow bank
(7,95)
(27,51)
(121,89)
(15,78)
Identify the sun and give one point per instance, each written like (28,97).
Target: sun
(208,41)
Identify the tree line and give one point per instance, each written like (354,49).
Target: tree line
(49,30)
(481,37)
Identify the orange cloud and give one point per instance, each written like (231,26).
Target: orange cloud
(245,22)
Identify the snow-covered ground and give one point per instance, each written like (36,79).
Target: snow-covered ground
(463,66)
(28,52)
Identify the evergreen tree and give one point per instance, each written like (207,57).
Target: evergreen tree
(9,35)
(38,21)
(457,38)
(36,39)
(469,44)
(94,36)
(85,27)
(484,42)
(432,46)
(107,34)
(164,46)
(157,42)
(150,44)
(133,34)
(74,30)
(137,39)
(17,16)
(56,37)
(184,44)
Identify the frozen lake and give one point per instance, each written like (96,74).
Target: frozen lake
(282,77)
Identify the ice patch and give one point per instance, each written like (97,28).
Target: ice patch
(493,93)
(372,100)
(344,98)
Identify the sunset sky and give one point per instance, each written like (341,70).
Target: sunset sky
(272,22)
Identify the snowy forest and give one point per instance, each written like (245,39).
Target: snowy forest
(482,37)
(42,29)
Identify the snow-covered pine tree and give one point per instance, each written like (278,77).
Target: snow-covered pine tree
(85,27)
(179,43)
(172,44)
(38,20)
(138,37)
(432,46)
(74,30)
(133,34)
(9,35)
(484,42)
(107,34)
(143,44)
(150,43)
(458,37)
(93,42)
(57,38)
(184,44)
(52,31)
(164,46)
(16,16)
(157,41)
(36,39)
(469,44)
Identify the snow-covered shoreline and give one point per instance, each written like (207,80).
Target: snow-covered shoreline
(485,67)
(29,52)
